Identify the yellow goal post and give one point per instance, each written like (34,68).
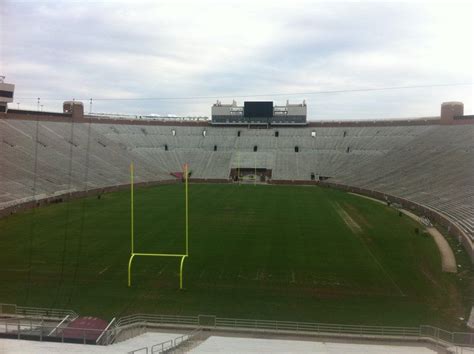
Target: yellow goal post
(133,254)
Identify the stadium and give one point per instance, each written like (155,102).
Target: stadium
(254,220)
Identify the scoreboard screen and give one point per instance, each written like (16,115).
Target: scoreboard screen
(258,109)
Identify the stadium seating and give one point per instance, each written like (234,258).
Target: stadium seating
(431,165)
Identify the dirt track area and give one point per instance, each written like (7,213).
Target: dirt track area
(448,261)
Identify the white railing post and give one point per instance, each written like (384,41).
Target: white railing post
(106,328)
(60,323)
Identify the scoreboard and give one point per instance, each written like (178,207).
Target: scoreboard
(258,109)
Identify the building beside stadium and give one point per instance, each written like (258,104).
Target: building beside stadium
(6,94)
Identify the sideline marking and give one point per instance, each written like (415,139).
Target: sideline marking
(340,211)
(351,223)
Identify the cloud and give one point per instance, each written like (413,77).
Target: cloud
(67,50)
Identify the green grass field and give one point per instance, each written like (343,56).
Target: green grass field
(267,252)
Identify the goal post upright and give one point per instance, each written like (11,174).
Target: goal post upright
(132,254)
(131,207)
(129,270)
(186,208)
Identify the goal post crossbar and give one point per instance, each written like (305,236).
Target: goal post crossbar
(159,254)
(132,250)
(132,256)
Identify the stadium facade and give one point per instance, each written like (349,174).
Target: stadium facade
(424,164)
(6,94)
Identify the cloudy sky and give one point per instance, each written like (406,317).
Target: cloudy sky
(206,50)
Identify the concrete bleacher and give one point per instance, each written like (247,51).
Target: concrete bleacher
(432,165)
(436,169)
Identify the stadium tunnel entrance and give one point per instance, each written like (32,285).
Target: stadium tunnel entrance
(259,175)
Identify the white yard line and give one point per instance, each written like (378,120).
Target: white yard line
(351,223)
(103,270)
(357,229)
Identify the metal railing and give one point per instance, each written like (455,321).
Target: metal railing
(58,325)
(318,328)
(44,312)
(174,343)
(38,330)
(158,319)
(37,327)
(139,350)
(38,312)
(168,344)
(446,337)
(105,332)
(434,334)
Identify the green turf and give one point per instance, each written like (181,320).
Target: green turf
(269,252)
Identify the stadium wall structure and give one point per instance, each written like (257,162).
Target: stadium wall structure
(380,161)
(209,180)
(293,182)
(60,198)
